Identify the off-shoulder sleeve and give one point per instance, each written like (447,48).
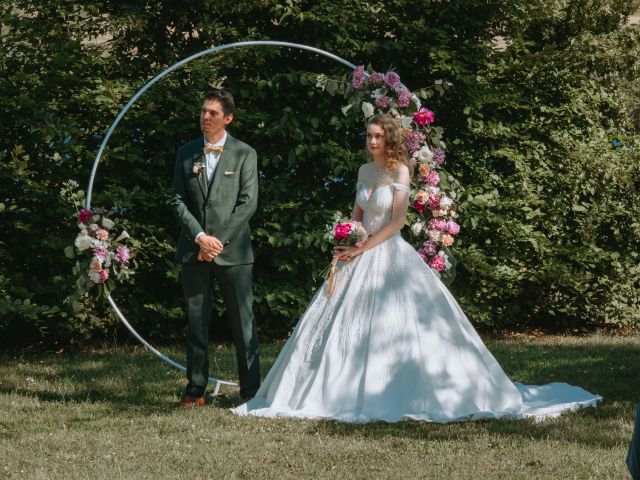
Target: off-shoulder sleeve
(401,188)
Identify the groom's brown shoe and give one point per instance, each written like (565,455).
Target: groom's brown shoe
(190,401)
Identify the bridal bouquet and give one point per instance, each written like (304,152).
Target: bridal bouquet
(346,233)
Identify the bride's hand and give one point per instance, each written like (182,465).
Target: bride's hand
(346,253)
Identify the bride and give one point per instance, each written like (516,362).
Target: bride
(391,342)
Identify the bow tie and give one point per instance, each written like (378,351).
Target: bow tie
(213,148)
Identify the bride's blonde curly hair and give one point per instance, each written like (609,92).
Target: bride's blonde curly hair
(396,149)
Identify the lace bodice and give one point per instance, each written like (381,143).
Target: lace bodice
(377,205)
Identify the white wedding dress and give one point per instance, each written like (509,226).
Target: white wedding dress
(391,343)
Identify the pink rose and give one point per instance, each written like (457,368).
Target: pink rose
(358,78)
(437,224)
(104,274)
(123,255)
(102,234)
(342,231)
(424,116)
(453,228)
(437,263)
(84,215)
(432,179)
(434,201)
(392,79)
(420,207)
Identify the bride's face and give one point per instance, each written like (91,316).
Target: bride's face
(376,140)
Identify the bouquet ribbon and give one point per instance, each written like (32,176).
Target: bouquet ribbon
(331,276)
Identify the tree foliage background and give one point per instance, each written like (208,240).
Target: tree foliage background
(542,131)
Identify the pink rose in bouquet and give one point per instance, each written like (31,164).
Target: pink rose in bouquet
(422,197)
(437,263)
(347,233)
(424,169)
(376,78)
(342,231)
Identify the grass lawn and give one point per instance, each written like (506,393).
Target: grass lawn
(110,414)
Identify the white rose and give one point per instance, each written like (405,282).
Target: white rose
(417,227)
(445,202)
(416,101)
(454,214)
(108,224)
(94,276)
(367,109)
(425,154)
(83,242)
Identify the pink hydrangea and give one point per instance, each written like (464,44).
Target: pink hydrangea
(392,79)
(438,156)
(84,215)
(453,228)
(437,263)
(100,253)
(432,179)
(342,231)
(420,207)
(358,78)
(424,116)
(404,98)
(123,255)
(437,224)
(413,141)
(429,247)
(376,78)
(383,101)
(434,201)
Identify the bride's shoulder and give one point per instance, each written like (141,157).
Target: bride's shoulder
(401,174)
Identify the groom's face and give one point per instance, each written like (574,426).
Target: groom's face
(213,121)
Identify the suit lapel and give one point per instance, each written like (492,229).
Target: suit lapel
(225,163)
(198,156)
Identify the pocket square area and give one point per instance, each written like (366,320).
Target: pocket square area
(228,173)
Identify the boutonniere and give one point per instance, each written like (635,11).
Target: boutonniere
(197,168)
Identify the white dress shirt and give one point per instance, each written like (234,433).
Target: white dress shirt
(212,162)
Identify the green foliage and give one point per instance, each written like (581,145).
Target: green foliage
(549,227)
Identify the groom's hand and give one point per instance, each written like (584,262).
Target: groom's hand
(210,245)
(205,257)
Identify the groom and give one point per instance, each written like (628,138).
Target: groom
(214,194)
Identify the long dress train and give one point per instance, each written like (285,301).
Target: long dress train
(392,343)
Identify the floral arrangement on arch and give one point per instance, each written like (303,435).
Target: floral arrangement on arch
(100,249)
(432,216)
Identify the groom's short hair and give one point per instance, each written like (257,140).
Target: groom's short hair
(224,97)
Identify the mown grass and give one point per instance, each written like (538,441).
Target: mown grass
(110,414)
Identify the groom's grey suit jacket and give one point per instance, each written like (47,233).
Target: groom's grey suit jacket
(221,207)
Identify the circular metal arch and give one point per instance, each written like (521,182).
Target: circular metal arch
(254,43)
